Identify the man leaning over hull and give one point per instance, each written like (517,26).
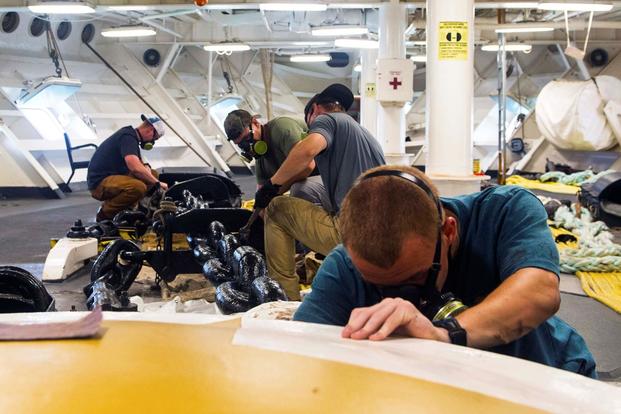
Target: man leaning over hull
(479,270)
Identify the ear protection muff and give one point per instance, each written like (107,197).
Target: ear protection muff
(432,303)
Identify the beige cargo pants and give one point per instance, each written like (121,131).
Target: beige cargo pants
(288,219)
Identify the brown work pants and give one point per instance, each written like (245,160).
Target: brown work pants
(288,219)
(118,193)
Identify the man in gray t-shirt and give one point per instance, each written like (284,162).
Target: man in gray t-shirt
(350,151)
(342,150)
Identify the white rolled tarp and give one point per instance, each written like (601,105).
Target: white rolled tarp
(581,115)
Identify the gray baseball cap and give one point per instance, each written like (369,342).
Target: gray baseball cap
(235,123)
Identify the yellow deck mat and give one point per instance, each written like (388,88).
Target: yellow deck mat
(168,368)
(538,185)
(604,287)
(560,244)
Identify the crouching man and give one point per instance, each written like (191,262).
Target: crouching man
(479,270)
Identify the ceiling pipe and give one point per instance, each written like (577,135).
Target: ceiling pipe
(20,5)
(491,24)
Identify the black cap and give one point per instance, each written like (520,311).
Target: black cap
(335,93)
(235,123)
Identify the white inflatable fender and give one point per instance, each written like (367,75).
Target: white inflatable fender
(571,115)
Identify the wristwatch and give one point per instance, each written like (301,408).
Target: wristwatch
(457,334)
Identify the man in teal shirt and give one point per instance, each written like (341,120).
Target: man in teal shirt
(269,144)
(495,253)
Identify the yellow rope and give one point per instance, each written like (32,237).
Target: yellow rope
(604,287)
(538,185)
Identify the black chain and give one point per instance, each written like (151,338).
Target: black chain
(52,49)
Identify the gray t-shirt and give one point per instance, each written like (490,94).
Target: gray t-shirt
(351,151)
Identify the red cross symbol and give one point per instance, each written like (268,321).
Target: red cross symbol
(395,83)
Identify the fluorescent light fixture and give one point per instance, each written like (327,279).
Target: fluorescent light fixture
(310,43)
(339,30)
(509,5)
(575,6)
(509,47)
(128,31)
(48,92)
(416,43)
(226,47)
(128,8)
(517,29)
(292,7)
(357,43)
(61,7)
(310,58)
(358,68)
(419,58)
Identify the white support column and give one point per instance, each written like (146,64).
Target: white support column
(390,113)
(368,104)
(450,94)
(167,62)
(209,90)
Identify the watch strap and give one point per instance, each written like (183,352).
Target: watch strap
(457,334)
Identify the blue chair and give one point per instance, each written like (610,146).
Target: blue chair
(75,165)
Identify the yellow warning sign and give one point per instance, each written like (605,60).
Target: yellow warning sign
(453,41)
(370,90)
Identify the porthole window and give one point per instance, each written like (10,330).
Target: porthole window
(37,27)
(10,21)
(88,33)
(64,30)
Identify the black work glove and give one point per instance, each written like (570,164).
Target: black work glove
(265,194)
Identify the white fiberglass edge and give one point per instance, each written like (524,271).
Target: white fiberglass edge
(177,318)
(484,372)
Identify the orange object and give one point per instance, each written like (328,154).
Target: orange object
(200,3)
(167,368)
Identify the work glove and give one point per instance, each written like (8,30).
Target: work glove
(265,194)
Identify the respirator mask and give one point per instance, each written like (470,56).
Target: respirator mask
(432,303)
(251,149)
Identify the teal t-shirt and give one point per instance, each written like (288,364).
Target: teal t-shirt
(502,230)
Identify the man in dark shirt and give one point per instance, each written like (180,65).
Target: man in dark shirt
(116,174)
(342,150)
(402,254)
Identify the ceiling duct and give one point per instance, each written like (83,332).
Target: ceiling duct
(339,60)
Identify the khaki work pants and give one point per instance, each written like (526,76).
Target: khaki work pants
(118,193)
(288,219)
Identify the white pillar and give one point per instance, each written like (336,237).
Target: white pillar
(450,94)
(391,116)
(368,103)
(167,62)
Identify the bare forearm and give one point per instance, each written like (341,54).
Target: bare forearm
(518,305)
(293,169)
(144,174)
(298,163)
(299,177)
